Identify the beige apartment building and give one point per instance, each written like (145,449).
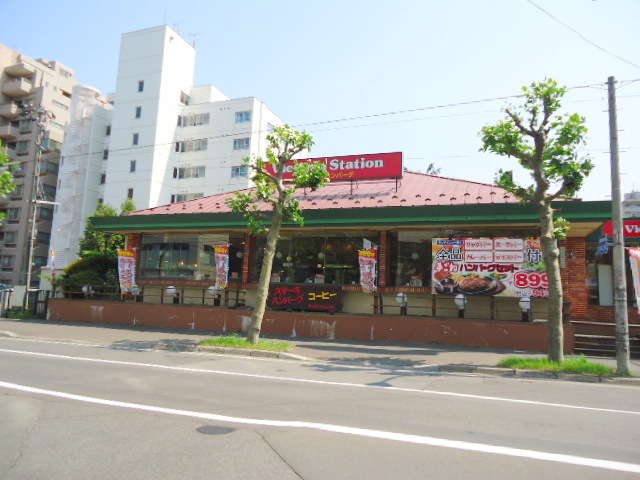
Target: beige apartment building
(35,98)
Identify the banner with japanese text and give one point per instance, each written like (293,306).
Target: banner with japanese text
(508,267)
(222,266)
(367,262)
(634,261)
(127,270)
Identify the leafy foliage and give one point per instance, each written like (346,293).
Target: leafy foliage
(95,269)
(97,241)
(543,142)
(6,177)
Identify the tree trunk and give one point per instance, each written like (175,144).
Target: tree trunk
(551,258)
(253,335)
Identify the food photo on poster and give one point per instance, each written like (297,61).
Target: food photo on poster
(508,267)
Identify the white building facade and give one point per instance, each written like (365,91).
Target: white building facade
(164,141)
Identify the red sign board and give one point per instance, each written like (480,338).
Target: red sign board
(631,228)
(354,167)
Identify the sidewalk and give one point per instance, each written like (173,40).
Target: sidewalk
(437,358)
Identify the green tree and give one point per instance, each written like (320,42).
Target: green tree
(546,144)
(6,176)
(97,241)
(271,190)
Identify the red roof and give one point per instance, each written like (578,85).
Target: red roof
(412,190)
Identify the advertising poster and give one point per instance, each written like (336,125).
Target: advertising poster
(367,262)
(634,261)
(127,270)
(508,267)
(222,266)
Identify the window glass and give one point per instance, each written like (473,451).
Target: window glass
(240,143)
(314,257)
(410,258)
(242,117)
(189,257)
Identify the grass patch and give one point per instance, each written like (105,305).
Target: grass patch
(236,341)
(574,364)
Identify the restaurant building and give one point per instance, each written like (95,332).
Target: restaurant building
(456,262)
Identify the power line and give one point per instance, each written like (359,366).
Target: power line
(582,36)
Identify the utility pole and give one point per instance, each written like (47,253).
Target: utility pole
(619,272)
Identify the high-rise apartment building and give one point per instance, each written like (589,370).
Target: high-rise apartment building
(163,141)
(35,99)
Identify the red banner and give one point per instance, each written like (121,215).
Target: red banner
(367,261)
(127,270)
(222,266)
(354,167)
(631,228)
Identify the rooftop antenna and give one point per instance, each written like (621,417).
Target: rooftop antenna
(194,38)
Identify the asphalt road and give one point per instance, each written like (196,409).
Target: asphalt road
(86,412)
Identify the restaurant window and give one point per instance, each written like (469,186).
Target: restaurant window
(189,257)
(410,258)
(314,257)
(600,276)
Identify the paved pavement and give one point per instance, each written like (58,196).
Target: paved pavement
(437,358)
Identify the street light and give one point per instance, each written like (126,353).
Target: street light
(461,302)
(525,305)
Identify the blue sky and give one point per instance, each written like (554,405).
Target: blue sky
(314,62)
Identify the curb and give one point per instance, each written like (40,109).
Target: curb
(537,374)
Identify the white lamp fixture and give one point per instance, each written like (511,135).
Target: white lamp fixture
(171,291)
(461,302)
(525,305)
(403,300)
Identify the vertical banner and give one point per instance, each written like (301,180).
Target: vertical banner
(222,266)
(634,261)
(53,265)
(127,270)
(367,261)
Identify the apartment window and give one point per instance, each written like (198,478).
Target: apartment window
(56,125)
(107,131)
(132,166)
(105,154)
(6,261)
(49,191)
(270,128)
(189,172)
(24,126)
(242,117)
(103,178)
(18,170)
(182,197)
(100,200)
(241,171)
(22,147)
(191,145)
(13,215)
(136,138)
(193,120)
(141,85)
(129,192)
(64,72)
(241,143)
(46,213)
(10,239)
(43,237)
(60,105)
(184,98)
(17,192)
(138,112)
(39,261)
(65,93)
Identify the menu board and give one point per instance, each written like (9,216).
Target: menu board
(508,267)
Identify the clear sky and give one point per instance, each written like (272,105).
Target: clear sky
(413,70)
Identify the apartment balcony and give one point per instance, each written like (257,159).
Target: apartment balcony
(10,111)
(17,88)
(8,132)
(21,69)
(49,145)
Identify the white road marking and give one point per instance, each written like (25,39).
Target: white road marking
(362,432)
(322,382)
